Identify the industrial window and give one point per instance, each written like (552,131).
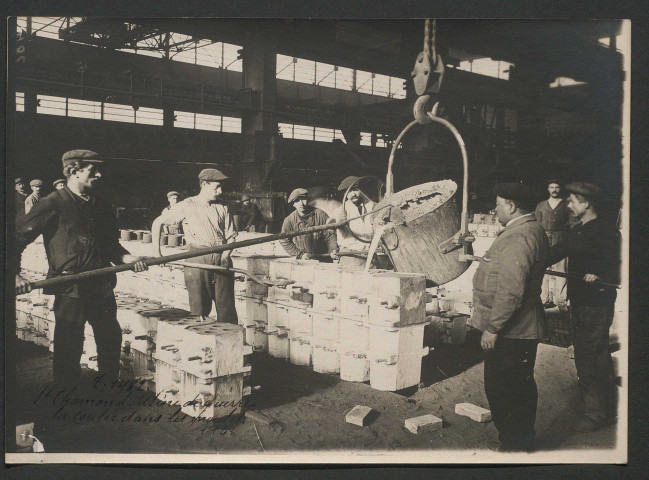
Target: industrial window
(364,82)
(323,74)
(306,132)
(20,102)
(84,109)
(285,129)
(381,85)
(49,105)
(305,71)
(185,52)
(488,67)
(209,54)
(323,134)
(184,119)
(345,78)
(119,113)
(366,140)
(149,116)
(208,122)
(302,132)
(203,121)
(231,124)
(230,60)
(285,68)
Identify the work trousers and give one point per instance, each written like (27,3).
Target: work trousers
(553,289)
(511,390)
(205,287)
(598,391)
(71,315)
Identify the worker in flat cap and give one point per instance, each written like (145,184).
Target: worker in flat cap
(508,310)
(206,222)
(357,234)
(59,184)
(251,217)
(593,250)
(321,197)
(80,234)
(306,216)
(36,186)
(21,195)
(173,229)
(556,218)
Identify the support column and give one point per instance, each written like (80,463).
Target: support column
(258,122)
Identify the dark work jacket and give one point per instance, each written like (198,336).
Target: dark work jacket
(593,247)
(20,204)
(251,215)
(79,235)
(507,283)
(554,219)
(320,242)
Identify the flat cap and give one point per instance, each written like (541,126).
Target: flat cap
(60,180)
(172,193)
(212,175)
(297,193)
(554,180)
(584,189)
(517,192)
(245,197)
(347,182)
(87,156)
(36,183)
(19,180)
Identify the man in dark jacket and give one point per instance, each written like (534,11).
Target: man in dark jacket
(21,195)
(508,310)
(80,234)
(593,250)
(306,216)
(252,218)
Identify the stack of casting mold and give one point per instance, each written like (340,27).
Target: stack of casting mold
(200,365)
(250,300)
(362,325)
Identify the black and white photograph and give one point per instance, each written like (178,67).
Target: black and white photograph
(317,241)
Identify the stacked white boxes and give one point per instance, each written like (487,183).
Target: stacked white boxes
(200,365)
(365,326)
(250,300)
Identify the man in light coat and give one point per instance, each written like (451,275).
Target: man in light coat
(508,310)
(354,204)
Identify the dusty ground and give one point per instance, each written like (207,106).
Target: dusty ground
(310,408)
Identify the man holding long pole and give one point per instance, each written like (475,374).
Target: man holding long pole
(593,250)
(80,234)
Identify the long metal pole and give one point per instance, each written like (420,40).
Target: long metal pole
(51,282)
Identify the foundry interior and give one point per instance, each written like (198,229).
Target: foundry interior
(329,351)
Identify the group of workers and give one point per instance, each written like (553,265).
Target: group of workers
(24,201)
(80,234)
(508,308)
